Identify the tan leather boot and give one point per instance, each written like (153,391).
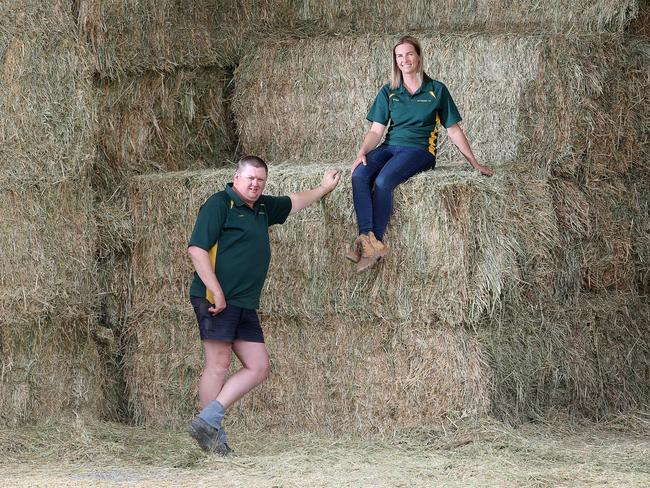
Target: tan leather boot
(354,254)
(369,255)
(380,248)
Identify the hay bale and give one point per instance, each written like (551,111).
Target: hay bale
(457,240)
(135,36)
(50,368)
(48,259)
(162,122)
(542,99)
(47,101)
(591,359)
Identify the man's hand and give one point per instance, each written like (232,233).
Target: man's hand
(485,171)
(331,178)
(304,199)
(219,303)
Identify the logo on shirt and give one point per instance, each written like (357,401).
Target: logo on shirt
(393,96)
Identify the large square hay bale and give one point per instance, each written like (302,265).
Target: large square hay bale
(51,367)
(47,101)
(592,358)
(163,121)
(135,36)
(461,243)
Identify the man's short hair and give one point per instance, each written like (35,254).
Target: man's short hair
(254,161)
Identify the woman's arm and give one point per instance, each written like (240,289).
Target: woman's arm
(371,141)
(457,136)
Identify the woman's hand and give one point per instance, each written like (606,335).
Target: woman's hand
(360,159)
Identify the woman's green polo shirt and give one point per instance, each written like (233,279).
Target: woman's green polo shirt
(237,239)
(414,118)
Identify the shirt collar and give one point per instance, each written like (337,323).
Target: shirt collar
(233,195)
(423,87)
(238,200)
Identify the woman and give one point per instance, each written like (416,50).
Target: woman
(415,105)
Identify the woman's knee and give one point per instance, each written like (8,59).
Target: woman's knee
(359,178)
(384,183)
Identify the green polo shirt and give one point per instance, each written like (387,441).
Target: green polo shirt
(237,240)
(414,118)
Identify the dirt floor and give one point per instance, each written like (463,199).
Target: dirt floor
(570,454)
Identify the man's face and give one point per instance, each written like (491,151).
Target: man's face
(249,183)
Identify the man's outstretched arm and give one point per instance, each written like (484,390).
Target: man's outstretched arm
(304,199)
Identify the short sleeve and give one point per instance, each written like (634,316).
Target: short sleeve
(277,208)
(379,111)
(447,109)
(209,223)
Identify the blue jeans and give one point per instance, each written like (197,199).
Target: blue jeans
(373,184)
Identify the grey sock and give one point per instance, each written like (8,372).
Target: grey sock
(213,413)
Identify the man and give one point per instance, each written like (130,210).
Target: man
(230,251)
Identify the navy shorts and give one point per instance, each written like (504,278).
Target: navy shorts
(231,324)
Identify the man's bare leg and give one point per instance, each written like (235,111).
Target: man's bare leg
(255,370)
(217,364)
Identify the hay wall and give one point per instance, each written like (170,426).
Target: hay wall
(483,325)
(51,364)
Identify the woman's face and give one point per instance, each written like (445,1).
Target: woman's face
(407,59)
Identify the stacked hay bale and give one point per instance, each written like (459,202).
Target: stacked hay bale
(51,348)
(513,295)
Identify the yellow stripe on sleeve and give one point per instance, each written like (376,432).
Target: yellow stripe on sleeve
(213,260)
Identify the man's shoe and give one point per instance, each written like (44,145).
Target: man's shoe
(207,437)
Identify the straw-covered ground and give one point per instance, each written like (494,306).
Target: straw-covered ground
(490,454)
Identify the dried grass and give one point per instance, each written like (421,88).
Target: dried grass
(136,36)
(50,362)
(47,102)
(162,122)
(590,359)
(49,368)
(560,453)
